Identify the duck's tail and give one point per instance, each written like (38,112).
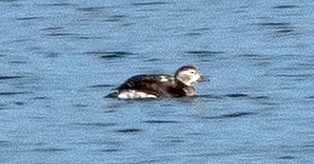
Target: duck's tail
(112,95)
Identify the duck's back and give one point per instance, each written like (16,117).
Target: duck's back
(141,86)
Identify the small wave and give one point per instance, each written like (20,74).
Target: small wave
(250,55)
(48,150)
(285,31)
(115,18)
(40,98)
(285,6)
(101,86)
(19,103)
(12,93)
(149,3)
(294,75)
(286,157)
(210,96)
(160,122)
(236,95)
(310,97)
(51,28)
(90,9)
(18,62)
(205,52)
(28,18)
(4,143)
(97,124)
(132,130)
(11,77)
(232,115)
(57,4)
(260,97)
(110,150)
(9,0)
(56,34)
(109,54)
(274,24)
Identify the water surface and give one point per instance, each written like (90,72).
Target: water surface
(60,58)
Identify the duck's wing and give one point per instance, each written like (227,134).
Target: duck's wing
(157,85)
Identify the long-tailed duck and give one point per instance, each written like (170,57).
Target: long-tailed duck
(161,85)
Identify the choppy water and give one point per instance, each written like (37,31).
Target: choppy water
(59,58)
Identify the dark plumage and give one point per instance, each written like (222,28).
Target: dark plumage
(161,85)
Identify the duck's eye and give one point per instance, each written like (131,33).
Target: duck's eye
(192,72)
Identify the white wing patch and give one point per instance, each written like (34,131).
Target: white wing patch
(132,94)
(163,78)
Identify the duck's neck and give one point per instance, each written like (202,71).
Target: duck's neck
(180,84)
(188,89)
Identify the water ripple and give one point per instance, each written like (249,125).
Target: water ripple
(13,93)
(19,103)
(29,18)
(210,96)
(49,150)
(61,4)
(97,124)
(9,0)
(260,97)
(131,130)
(285,6)
(40,98)
(251,56)
(11,77)
(160,122)
(295,75)
(287,157)
(232,115)
(115,18)
(110,150)
(204,52)
(278,24)
(4,143)
(150,3)
(60,34)
(18,62)
(51,102)
(101,86)
(51,28)
(236,95)
(310,97)
(285,31)
(281,27)
(90,9)
(109,54)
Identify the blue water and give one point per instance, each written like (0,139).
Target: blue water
(58,59)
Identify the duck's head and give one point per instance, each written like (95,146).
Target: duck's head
(189,74)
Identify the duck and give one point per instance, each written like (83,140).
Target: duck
(161,85)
